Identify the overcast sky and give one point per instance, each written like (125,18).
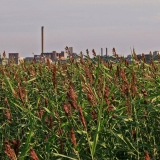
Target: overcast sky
(82,24)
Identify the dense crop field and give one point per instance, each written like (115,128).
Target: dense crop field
(86,109)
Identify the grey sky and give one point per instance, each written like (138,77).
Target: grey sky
(79,23)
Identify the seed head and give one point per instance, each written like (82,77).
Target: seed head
(93,51)
(82,117)
(9,151)
(134,134)
(33,154)
(67,109)
(16,144)
(73,137)
(147,156)
(8,115)
(4,54)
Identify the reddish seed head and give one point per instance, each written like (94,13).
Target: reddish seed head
(9,151)
(33,154)
(89,74)
(147,156)
(93,51)
(6,100)
(82,61)
(94,115)
(20,93)
(4,54)
(67,109)
(60,132)
(87,51)
(110,108)
(8,115)
(107,92)
(113,50)
(73,137)
(90,99)
(71,94)
(90,95)
(126,62)
(82,117)
(50,122)
(72,97)
(134,134)
(66,48)
(144,92)
(40,113)
(16,146)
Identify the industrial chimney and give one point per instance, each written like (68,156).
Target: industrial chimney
(106,52)
(42,39)
(102,52)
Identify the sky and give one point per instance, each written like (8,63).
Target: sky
(81,24)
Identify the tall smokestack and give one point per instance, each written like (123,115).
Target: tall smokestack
(106,52)
(42,38)
(101,51)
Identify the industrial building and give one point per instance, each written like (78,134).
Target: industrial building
(14,57)
(155,53)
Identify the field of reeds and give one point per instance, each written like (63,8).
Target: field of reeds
(85,109)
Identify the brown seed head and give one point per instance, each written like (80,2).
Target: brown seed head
(94,115)
(50,122)
(16,144)
(82,117)
(67,109)
(73,137)
(114,50)
(9,151)
(8,115)
(110,108)
(93,51)
(4,54)
(33,154)
(134,134)
(147,157)
(72,96)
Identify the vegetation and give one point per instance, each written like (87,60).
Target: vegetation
(86,109)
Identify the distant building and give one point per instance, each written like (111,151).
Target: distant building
(155,53)
(70,50)
(129,56)
(139,56)
(14,57)
(38,58)
(54,55)
(28,59)
(63,54)
(148,57)
(50,55)
(74,55)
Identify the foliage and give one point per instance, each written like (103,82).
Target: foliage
(82,109)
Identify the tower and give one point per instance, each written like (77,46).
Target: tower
(102,52)
(42,39)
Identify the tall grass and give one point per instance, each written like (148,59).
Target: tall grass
(86,109)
